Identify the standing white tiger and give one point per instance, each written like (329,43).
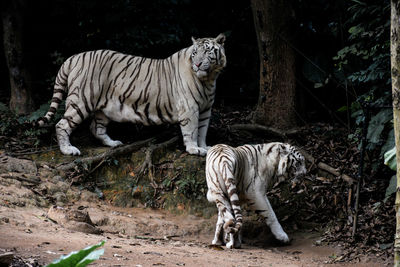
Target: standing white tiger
(124,88)
(247,171)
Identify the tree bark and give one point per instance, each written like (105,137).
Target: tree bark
(20,81)
(276,103)
(395,70)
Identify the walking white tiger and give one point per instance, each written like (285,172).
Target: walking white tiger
(247,171)
(124,88)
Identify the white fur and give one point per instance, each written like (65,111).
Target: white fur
(253,168)
(124,88)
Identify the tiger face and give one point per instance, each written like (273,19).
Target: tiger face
(292,163)
(208,55)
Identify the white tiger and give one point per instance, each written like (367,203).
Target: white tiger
(247,171)
(113,86)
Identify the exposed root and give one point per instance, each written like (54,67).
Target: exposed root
(106,155)
(147,165)
(267,130)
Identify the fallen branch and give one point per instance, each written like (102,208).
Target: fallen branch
(265,129)
(284,134)
(325,167)
(20,177)
(106,155)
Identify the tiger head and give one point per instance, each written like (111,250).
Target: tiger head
(208,56)
(291,163)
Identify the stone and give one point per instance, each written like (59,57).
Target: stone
(10,164)
(6,258)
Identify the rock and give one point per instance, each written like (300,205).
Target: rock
(83,227)
(10,164)
(4,220)
(57,179)
(51,188)
(62,186)
(60,197)
(73,219)
(89,196)
(6,258)
(73,195)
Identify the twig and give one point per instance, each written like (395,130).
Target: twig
(167,237)
(23,153)
(265,129)
(106,155)
(325,167)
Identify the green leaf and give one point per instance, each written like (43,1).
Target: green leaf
(79,258)
(391,189)
(388,144)
(376,126)
(390,158)
(94,255)
(3,107)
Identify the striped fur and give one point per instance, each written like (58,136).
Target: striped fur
(247,171)
(108,85)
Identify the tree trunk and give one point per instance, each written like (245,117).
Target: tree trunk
(13,24)
(276,104)
(395,69)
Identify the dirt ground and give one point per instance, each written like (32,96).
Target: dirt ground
(134,236)
(146,237)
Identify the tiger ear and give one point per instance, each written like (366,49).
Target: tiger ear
(283,161)
(193,40)
(282,165)
(220,39)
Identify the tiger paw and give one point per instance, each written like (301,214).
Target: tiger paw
(113,143)
(70,150)
(283,237)
(229,244)
(196,151)
(216,242)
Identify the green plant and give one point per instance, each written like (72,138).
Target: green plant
(190,187)
(79,258)
(390,158)
(12,124)
(364,66)
(390,161)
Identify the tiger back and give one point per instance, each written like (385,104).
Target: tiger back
(111,86)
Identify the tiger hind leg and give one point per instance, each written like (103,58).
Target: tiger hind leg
(98,128)
(64,129)
(226,222)
(218,231)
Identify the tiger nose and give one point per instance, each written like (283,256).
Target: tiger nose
(198,64)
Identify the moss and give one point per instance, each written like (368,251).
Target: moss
(176,183)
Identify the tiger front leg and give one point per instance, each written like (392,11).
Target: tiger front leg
(189,128)
(263,207)
(204,121)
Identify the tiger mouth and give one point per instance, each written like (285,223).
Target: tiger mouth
(201,73)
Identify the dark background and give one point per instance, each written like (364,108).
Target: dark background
(55,30)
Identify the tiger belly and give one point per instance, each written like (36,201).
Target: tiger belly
(142,114)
